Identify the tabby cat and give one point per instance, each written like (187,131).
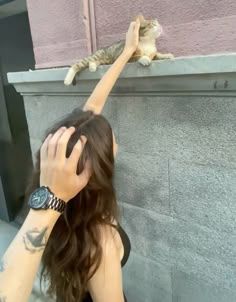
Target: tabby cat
(149,31)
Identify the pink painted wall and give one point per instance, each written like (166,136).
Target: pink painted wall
(58,31)
(64,31)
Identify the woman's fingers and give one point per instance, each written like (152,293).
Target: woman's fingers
(52,145)
(137,25)
(44,148)
(134,25)
(132,36)
(62,143)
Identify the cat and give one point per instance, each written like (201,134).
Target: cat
(146,51)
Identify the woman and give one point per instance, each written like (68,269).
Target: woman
(85,251)
(87,247)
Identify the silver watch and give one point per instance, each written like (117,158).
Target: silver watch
(43,198)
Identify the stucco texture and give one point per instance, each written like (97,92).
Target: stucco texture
(63,31)
(57,31)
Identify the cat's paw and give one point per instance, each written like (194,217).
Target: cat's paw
(169,56)
(145,61)
(92,66)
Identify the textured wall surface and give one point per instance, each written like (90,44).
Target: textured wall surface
(176,185)
(65,32)
(176,182)
(58,31)
(191,27)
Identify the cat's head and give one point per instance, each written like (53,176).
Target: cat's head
(149,28)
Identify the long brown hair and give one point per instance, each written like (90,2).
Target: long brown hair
(73,252)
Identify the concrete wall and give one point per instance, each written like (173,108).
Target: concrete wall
(63,33)
(176,177)
(175,171)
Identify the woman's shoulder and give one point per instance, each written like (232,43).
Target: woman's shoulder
(109,237)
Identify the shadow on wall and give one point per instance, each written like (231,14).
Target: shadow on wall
(15,159)
(16,53)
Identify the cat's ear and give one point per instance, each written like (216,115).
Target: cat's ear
(140,17)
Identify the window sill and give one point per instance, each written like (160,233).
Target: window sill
(203,75)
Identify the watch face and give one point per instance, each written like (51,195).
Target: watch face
(38,198)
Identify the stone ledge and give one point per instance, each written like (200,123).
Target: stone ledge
(203,75)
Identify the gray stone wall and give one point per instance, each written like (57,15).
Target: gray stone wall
(176,180)
(176,185)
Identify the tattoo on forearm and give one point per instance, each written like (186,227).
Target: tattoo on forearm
(2,267)
(35,240)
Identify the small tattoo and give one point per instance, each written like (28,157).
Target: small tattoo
(2,267)
(35,240)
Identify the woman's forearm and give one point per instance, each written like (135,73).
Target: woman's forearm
(20,263)
(98,98)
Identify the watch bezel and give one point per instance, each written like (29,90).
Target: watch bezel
(43,203)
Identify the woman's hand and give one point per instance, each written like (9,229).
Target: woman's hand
(59,172)
(132,37)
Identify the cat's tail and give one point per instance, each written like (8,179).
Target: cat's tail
(75,68)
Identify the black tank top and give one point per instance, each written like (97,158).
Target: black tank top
(127,247)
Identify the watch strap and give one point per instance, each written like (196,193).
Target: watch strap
(56,204)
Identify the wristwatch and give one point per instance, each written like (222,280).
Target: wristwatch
(42,198)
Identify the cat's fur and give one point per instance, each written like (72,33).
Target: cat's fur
(146,51)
